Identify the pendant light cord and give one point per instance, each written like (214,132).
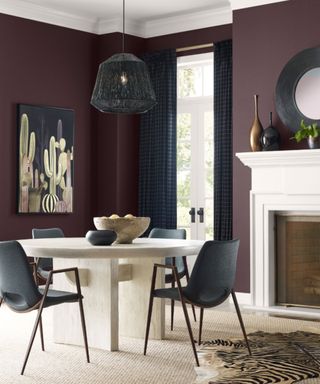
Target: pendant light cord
(123,25)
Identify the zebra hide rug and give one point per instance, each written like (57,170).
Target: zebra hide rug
(276,358)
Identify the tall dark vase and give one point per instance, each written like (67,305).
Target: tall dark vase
(270,139)
(256,130)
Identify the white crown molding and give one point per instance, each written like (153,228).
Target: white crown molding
(151,28)
(46,15)
(188,22)
(115,25)
(240,4)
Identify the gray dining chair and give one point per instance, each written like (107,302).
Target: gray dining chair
(210,284)
(180,262)
(21,294)
(44,264)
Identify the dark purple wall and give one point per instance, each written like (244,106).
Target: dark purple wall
(190,38)
(44,65)
(264,39)
(116,143)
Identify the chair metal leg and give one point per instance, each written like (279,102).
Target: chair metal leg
(200,325)
(187,278)
(84,329)
(1,301)
(153,283)
(172,306)
(83,322)
(194,312)
(33,334)
(41,333)
(240,320)
(185,311)
(36,324)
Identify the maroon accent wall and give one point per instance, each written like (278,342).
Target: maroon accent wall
(190,38)
(48,65)
(116,144)
(264,39)
(44,65)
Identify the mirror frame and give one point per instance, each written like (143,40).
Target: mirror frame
(290,75)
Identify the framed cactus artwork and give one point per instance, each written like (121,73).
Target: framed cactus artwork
(45,153)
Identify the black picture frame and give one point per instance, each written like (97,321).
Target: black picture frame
(45,159)
(287,82)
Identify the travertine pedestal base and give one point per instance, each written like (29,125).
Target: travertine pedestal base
(104,298)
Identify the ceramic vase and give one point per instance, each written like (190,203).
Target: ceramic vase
(270,139)
(256,130)
(313,142)
(101,237)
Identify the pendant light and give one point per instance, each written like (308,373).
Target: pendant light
(123,84)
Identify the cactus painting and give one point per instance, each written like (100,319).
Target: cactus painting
(46,153)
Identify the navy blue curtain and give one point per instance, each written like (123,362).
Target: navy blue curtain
(158,137)
(223,140)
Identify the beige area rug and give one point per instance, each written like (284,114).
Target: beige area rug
(168,361)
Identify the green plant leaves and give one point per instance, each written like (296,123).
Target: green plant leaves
(306,130)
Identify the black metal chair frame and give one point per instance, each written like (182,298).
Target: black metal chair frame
(185,311)
(40,307)
(186,274)
(184,259)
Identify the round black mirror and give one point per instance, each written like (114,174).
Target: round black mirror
(298,90)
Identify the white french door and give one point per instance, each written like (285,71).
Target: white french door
(195,170)
(195,147)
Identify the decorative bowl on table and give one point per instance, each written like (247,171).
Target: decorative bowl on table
(127,228)
(101,237)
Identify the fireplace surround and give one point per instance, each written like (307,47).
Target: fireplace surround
(282,183)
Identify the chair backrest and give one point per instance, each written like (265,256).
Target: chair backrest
(213,274)
(43,233)
(17,285)
(163,233)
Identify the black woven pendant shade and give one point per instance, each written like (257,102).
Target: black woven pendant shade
(123,86)
(123,83)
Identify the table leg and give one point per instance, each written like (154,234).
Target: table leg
(134,300)
(100,304)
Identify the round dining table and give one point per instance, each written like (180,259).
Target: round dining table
(115,283)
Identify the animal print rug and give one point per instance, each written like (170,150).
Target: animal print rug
(276,358)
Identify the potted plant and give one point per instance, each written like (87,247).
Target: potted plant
(310,132)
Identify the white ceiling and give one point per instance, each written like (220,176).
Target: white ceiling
(145,18)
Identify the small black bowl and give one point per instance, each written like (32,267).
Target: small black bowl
(101,237)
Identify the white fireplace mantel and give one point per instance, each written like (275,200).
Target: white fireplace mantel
(286,182)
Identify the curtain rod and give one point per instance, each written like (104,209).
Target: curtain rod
(194,47)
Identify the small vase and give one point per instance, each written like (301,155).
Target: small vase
(101,237)
(313,142)
(270,139)
(256,130)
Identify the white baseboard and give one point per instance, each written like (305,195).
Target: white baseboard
(243,298)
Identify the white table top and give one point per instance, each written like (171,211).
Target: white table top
(79,247)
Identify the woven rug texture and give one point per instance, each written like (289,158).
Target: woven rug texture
(168,361)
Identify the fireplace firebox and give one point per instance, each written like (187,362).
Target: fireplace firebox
(298,260)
